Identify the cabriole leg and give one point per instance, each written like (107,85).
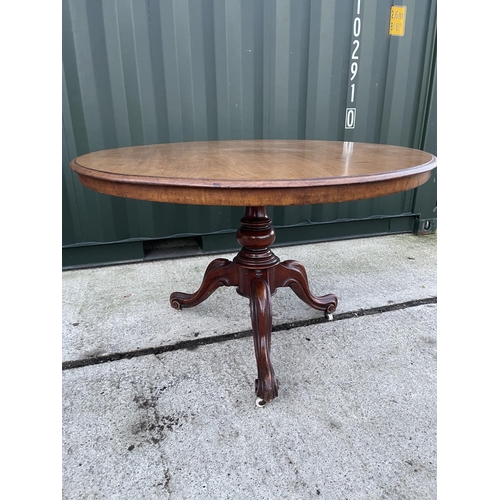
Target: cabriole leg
(293,274)
(266,385)
(220,272)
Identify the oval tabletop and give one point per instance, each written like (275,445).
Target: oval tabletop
(254,172)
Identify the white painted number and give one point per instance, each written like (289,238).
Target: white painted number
(350,113)
(350,117)
(356,48)
(357,26)
(354,70)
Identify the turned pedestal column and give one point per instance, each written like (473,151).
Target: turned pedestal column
(257,272)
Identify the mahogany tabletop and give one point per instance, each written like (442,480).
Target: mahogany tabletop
(254,172)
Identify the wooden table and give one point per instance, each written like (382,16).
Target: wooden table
(255,173)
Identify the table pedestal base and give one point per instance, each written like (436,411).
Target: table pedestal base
(257,273)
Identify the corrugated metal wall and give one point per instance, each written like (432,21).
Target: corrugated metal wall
(148,71)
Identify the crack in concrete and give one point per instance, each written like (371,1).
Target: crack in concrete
(194,343)
(159,359)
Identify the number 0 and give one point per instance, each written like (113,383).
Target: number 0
(350,117)
(357,26)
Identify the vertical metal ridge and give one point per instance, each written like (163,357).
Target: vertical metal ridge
(158,74)
(281,74)
(116,74)
(251,26)
(325,67)
(266,71)
(144,72)
(221,74)
(197,67)
(428,77)
(183,54)
(99,60)
(302,18)
(168,40)
(208,40)
(233,61)
(128,59)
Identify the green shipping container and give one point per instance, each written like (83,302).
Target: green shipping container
(152,71)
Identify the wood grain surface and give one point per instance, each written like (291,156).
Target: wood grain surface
(254,172)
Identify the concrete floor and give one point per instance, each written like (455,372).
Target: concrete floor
(356,412)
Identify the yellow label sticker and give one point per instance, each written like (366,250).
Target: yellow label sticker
(398,18)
